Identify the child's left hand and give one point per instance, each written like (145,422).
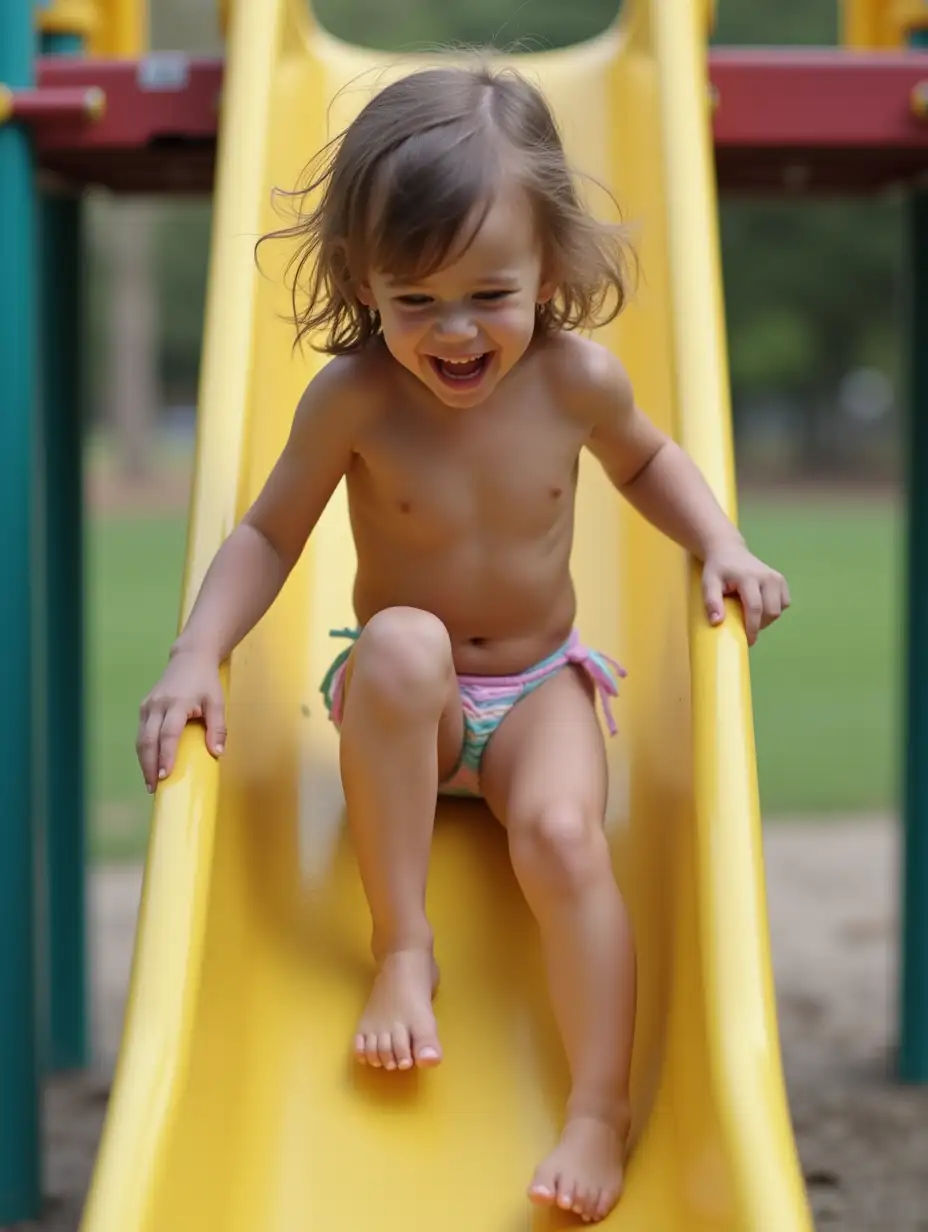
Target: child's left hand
(730,569)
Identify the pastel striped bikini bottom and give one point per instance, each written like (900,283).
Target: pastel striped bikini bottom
(486,700)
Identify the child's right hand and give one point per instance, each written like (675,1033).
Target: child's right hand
(189,689)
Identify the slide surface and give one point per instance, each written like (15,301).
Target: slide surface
(236,1106)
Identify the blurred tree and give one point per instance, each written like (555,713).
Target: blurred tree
(132,392)
(811,286)
(409,24)
(781,22)
(185,25)
(182,240)
(183,227)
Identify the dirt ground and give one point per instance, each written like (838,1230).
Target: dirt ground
(833,906)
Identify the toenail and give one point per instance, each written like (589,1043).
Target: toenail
(404,1064)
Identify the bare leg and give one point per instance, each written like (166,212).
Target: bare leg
(402,727)
(544,776)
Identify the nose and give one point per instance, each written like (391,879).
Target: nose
(455,326)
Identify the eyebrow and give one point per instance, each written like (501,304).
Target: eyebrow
(503,278)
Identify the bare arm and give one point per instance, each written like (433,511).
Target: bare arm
(252,565)
(667,488)
(650,470)
(250,568)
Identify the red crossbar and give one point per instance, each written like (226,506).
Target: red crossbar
(785,119)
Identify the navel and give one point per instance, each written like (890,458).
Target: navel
(405,506)
(557,493)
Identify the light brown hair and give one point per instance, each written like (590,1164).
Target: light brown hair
(422,162)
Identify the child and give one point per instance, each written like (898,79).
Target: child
(450,262)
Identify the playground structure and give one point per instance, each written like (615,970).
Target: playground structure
(233,1106)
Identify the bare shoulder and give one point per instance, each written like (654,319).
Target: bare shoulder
(588,379)
(329,423)
(347,394)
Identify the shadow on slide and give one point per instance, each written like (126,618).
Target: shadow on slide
(236,1107)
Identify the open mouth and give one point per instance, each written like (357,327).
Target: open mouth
(464,373)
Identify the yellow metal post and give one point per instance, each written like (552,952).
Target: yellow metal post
(74,18)
(122,30)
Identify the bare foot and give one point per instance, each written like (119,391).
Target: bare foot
(397,1028)
(584,1172)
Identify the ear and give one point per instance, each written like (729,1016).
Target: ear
(349,288)
(365,295)
(546,291)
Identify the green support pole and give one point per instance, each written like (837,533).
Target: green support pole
(913,1041)
(20,1179)
(62,561)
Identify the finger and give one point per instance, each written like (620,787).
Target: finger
(147,744)
(172,726)
(214,712)
(785,597)
(753,606)
(713,596)
(772,600)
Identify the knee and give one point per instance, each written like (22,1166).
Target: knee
(403,661)
(562,847)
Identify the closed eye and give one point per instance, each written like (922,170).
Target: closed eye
(490,296)
(414,301)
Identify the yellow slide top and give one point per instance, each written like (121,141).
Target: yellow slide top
(236,1105)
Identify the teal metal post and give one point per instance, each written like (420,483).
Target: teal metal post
(913,1042)
(20,1182)
(62,560)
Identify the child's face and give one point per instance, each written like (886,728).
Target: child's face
(464,327)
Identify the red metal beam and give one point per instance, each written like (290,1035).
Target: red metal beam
(818,120)
(56,105)
(822,120)
(817,98)
(157,132)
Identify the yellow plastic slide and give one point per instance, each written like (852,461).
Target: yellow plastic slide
(236,1106)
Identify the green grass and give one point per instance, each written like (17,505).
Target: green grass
(824,678)
(133,582)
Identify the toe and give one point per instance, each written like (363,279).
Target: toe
(607,1199)
(370,1048)
(359,1051)
(543,1189)
(586,1203)
(593,1202)
(402,1048)
(385,1050)
(425,1046)
(565,1195)
(541,1193)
